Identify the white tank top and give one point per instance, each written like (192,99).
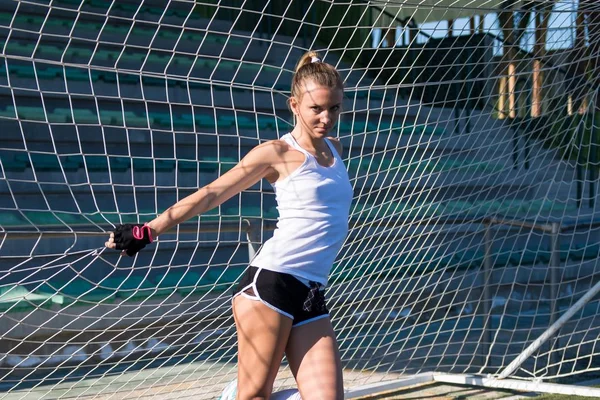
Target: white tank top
(314,205)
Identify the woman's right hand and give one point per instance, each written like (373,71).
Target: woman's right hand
(130,238)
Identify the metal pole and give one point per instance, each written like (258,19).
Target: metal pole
(253,237)
(578,169)
(513,366)
(592,165)
(487,297)
(554,282)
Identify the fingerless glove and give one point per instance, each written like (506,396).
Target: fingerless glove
(132,237)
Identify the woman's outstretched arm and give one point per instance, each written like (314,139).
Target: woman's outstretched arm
(257,164)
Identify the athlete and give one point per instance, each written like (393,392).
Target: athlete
(279,305)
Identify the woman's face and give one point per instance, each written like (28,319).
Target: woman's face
(318,109)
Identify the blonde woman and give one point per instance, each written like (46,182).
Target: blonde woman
(279,305)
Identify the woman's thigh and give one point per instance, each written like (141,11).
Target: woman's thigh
(262,336)
(314,359)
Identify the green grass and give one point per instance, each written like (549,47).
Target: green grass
(564,396)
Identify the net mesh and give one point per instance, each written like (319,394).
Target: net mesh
(470,133)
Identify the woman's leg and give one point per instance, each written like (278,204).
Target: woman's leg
(314,359)
(262,336)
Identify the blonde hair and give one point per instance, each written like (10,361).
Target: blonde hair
(310,67)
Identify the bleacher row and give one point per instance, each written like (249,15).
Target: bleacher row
(80,86)
(10,219)
(202,119)
(55,293)
(179,10)
(417,262)
(11,160)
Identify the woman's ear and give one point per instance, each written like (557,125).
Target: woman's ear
(293,104)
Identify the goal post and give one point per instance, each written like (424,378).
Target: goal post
(470,134)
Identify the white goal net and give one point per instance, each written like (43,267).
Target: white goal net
(471,137)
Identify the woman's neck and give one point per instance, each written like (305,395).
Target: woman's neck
(307,142)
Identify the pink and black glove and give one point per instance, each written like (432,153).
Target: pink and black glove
(132,237)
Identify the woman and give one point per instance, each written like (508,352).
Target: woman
(278,305)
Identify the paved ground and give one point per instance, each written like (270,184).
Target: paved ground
(179,385)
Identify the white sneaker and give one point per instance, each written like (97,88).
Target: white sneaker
(230,391)
(288,394)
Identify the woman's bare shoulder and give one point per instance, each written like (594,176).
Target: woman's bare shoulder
(274,147)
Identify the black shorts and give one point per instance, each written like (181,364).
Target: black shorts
(284,293)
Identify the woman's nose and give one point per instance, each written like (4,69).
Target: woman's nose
(326,117)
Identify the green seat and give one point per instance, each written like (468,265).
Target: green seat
(28,113)
(12,218)
(468,259)
(10,162)
(239,121)
(266,122)
(222,278)
(175,280)
(133,288)
(585,252)
(40,218)
(346,270)
(524,257)
(248,212)
(187,165)
(101,163)
(47,162)
(226,121)
(119,164)
(222,39)
(564,253)
(80,115)
(150,165)
(205,121)
(501,258)
(80,74)
(183,122)
(222,164)
(17,48)
(17,298)
(78,291)
(96,163)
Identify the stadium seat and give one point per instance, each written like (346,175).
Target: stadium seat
(78,292)
(526,257)
(10,161)
(12,218)
(17,298)
(133,288)
(584,252)
(47,162)
(151,165)
(466,259)
(178,280)
(221,278)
